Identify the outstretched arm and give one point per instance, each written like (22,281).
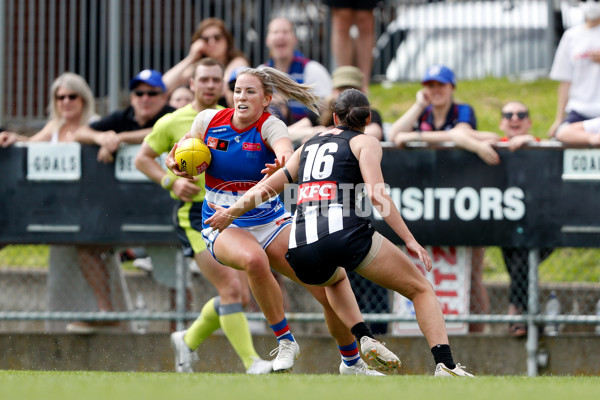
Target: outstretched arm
(254,197)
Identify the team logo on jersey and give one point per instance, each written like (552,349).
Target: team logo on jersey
(251,146)
(316,191)
(217,144)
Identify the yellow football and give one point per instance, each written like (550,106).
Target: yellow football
(192,156)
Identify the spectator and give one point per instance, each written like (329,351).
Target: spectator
(583,133)
(148,103)
(281,41)
(516,123)
(434,118)
(211,39)
(577,67)
(225,310)
(182,96)
(347,77)
(344,15)
(71,107)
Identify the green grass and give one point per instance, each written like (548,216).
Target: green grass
(150,386)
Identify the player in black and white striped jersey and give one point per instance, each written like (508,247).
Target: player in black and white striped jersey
(329,237)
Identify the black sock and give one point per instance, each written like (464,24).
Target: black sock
(443,354)
(361,329)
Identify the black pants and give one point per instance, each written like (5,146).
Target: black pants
(517,265)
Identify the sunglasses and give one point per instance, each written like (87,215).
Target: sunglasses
(520,114)
(151,93)
(72,96)
(216,37)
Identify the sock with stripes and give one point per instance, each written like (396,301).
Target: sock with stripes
(350,355)
(443,354)
(282,330)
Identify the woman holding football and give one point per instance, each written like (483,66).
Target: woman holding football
(243,140)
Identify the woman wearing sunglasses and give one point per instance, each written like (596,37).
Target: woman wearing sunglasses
(211,39)
(71,106)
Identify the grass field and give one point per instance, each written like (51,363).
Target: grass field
(150,386)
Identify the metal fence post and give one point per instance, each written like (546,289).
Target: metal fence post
(2,55)
(533,311)
(180,288)
(114,61)
(551,32)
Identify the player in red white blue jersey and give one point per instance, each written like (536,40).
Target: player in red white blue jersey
(242,140)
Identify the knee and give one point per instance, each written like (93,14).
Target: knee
(256,265)
(232,292)
(419,288)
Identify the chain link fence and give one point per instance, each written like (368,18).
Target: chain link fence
(37,279)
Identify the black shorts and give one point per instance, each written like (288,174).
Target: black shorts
(316,262)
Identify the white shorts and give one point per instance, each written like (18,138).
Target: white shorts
(264,234)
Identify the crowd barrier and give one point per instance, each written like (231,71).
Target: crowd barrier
(543,196)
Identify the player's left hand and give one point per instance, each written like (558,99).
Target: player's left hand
(423,255)
(270,169)
(220,219)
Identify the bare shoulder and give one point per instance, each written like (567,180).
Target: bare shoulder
(365,143)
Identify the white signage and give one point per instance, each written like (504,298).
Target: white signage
(451,280)
(581,164)
(125,169)
(53,161)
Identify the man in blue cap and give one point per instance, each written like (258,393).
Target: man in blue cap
(148,102)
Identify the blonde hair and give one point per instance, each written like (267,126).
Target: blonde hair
(77,84)
(273,80)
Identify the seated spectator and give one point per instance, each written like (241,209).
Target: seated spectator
(281,41)
(71,107)
(577,67)
(347,77)
(515,123)
(582,133)
(148,103)
(436,118)
(211,39)
(182,96)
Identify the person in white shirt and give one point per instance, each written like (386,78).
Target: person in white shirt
(577,67)
(582,132)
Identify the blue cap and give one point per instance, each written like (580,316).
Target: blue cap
(149,76)
(439,73)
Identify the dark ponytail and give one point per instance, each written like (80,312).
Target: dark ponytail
(353,109)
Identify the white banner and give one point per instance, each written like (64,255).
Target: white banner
(53,161)
(451,280)
(581,164)
(125,170)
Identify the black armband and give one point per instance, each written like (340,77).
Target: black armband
(287,174)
